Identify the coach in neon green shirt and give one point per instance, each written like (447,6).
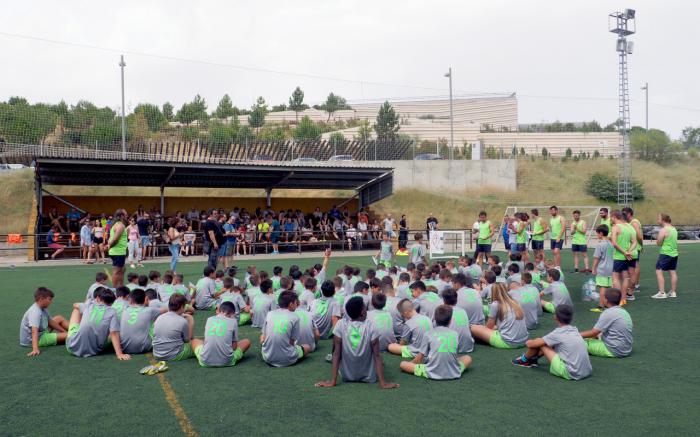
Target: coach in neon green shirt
(117,246)
(668,257)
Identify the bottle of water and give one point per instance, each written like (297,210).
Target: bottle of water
(588,290)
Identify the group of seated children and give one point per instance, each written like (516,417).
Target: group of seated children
(429,315)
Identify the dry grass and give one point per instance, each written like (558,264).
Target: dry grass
(16,191)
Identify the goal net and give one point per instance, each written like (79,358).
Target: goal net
(447,244)
(589,214)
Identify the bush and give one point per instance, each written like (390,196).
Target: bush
(604,187)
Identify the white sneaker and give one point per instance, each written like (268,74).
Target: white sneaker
(672,294)
(659,295)
(630,297)
(374,260)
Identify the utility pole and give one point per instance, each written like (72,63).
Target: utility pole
(122,64)
(646,101)
(452,132)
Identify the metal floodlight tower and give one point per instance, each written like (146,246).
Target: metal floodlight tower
(623,25)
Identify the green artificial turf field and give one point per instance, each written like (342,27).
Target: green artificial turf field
(655,391)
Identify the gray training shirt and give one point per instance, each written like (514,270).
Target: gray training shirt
(323,310)
(219,334)
(356,360)
(170,333)
(384,324)
(441,354)
(616,325)
(396,318)
(460,324)
(571,348)
(604,252)
(414,330)
(470,301)
(281,331)
(307,327)
(262,305)
(136,324)
(513,331)
(97,322)
(427,302)
(35,317)
(560,294)
(529,299)
(206,289)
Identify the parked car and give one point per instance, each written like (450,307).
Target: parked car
(427,157)
(261,158)
(304,159)
(341,158)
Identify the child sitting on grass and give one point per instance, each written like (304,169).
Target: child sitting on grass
(560,294)
(280,333)
(172,331)
(611,336)
(459,322)
(38,329)
(136,323)
(563,348)
(356,352)
(263,304)
(91,324)
(414,330)
(505,328)
(382,321)
(439,351)
(221,346)
(326,310)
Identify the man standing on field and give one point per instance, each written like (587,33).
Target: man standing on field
(483,239)
(557,226)
(668,257)
(628,213)
(625,244)
(117,247)
(539,228)
(578,241)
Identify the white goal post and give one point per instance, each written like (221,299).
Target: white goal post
(590,214)
(447,244)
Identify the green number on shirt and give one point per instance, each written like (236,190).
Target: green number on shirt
(424,324)
(529,296)
(448,343)
(97,314)
(280,326)
(460,319)
(321,307)
(383,321)
(217,328)
(355,337)
(133,314)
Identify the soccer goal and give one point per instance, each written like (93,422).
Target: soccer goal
(590,214)
(447,244)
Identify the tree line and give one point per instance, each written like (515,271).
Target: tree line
(87,124)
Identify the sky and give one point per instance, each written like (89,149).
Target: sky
(557,56)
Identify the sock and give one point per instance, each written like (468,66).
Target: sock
(523,357)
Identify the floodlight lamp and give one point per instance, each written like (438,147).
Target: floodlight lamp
(621,45)
(630,47)
(629,14)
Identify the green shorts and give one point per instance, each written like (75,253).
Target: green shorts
(419,370)
(387,263)
(300,351)
(48,339)
(548,306)
(497,342)
(406,353)
(237,355)
(597,348)
(185,353)
(558,368)
(243,318)
(603,281)
(73,329)
(486,311)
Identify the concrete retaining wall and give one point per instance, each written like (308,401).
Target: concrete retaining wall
(454,175)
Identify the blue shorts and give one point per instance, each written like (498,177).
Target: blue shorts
(621,265)
(537,244)
(519,247)
(554,244)
(222,249)
(667,263)
(145,240)
(507,244)
(579,248)
(274,237)
(118,260)
(483,248)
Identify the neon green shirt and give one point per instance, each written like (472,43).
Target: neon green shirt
(537,229)
(522,233)
(624,241)
(670,245)
(579,236)
(607,223)
(484,231)
(119,247)
(555,227)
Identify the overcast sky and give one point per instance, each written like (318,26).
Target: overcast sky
(558,56)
